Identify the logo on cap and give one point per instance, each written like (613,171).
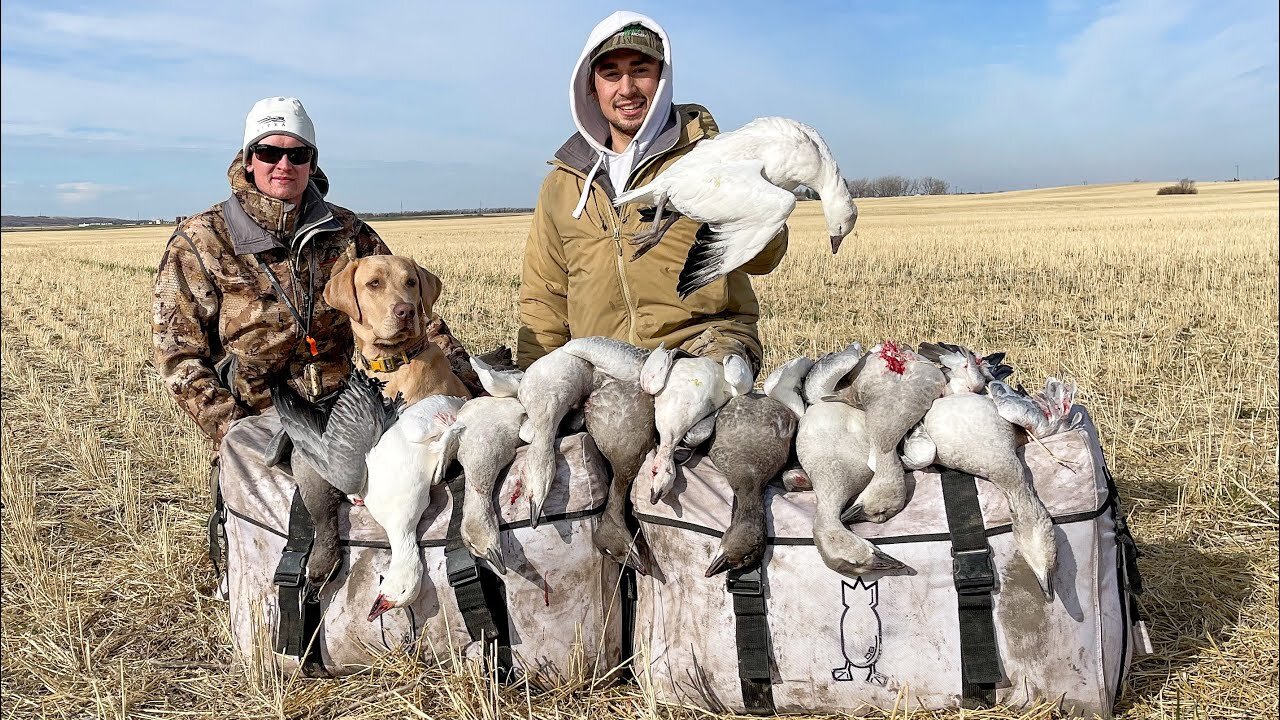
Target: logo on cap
(272,120)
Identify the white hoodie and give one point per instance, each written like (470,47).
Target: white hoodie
(590,121)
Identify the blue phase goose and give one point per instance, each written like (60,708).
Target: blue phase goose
(329,451)
(620,418)
(750,446)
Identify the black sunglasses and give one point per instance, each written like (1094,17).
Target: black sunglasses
(271,154)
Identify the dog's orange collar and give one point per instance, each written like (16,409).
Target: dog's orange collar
(391,363)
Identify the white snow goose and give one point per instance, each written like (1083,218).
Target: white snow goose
(741,184)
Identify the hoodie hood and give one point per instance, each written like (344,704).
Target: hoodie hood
(278,223)
(586,109)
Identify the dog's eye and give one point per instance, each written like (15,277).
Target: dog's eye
(374,283)
(411,282)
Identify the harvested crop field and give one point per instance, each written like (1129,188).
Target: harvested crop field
(1163,309)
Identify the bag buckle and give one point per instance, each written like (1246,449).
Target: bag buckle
(460,567)
(973,571)
(292,568)
(747,583)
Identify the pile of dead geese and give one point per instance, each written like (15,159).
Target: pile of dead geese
(848,426)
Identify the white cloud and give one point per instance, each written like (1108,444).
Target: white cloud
(73,193)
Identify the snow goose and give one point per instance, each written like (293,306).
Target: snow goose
(972,437)
(895,388)
(1040,415)
(402,467)
(329,455)
(964,369)
(832,445)
(484,440)
(686,390)
(751,445)
(553,385)
(740,184)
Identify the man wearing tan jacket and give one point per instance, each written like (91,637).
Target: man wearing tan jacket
(579,279)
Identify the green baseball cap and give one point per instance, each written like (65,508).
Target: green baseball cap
(632,37)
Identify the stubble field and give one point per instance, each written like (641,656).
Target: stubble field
(1163,309)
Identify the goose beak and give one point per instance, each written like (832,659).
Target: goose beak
(494,558)
(381,605)
(535,513)
(835,243)
(853,514)
(637,561)
(718,565)
(655,495)
(1046,584)
(883,562)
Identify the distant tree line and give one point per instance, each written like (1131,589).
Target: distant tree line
(896,186)
(458,211)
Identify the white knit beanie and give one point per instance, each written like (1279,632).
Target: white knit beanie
(279,116)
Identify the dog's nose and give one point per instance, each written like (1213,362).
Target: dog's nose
(403,311)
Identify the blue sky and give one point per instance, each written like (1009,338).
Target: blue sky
(135,109)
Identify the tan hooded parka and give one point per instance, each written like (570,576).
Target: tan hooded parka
(579,279)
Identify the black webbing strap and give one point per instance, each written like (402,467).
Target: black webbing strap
(480,594)
(974,575)
(1128,548)
(297,633)
(629,595)
(752,626)
(217,523)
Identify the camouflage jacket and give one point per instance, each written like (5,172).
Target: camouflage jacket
(222,329)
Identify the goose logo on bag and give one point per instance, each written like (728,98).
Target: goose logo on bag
(860,632)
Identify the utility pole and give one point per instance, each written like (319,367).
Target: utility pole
(1237,172)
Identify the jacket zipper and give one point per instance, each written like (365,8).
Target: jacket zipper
(622,275)
(620,266)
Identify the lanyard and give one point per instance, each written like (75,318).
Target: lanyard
(304,326)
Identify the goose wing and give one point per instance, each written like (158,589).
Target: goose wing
(303,422)
(742,210)
(356,423)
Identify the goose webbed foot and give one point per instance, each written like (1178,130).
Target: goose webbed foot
(646,242)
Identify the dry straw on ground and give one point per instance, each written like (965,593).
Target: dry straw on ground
(1163,309)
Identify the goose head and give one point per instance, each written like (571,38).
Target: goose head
(498,383)
(399,587)
(841,213)
(784,384)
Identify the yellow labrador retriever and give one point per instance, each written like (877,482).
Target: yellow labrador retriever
(390,301)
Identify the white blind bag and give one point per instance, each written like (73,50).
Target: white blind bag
(555,614)
(796,636)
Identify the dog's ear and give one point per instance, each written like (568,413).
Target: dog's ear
(429,287)
(340,291)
